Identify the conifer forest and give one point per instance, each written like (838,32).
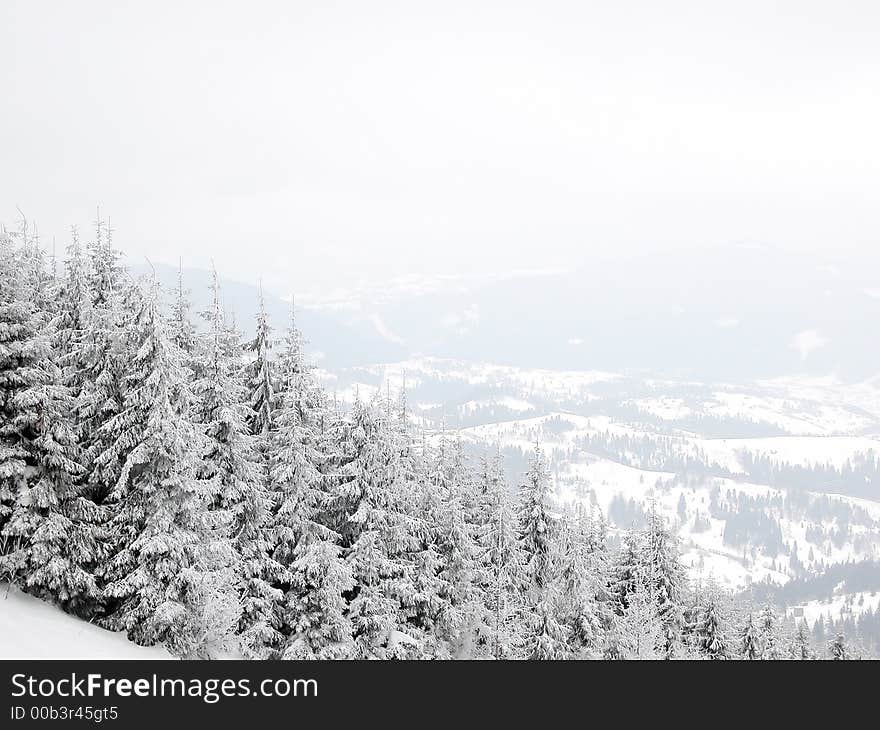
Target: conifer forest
(163,476)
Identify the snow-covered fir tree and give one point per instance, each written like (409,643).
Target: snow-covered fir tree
(316,577)
(769,629)
(544,637)
(535,525)
(581,583)
(230,463)
(750,639)
(260,378)
(373,530)
(706,624)
(663,568)
(801,648)
(169,579)
(424,591)
(181,329)
(47,527)
(638,631)
(838,649)
(501,563)
(21,353)
(457,535)
(101,351)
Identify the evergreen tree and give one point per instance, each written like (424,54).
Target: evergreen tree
(182,331)
(501,564)
(638,631)
(750,646)
(534,527)
(73,316)
(230,463)
(707,624)
(768,632)
(626,570)
(46,534)
(101,354)
(316,576)
(423,590)
(664,570)
(581,581)
(260,381)
(22,350)
(801,643)
(458,548)
(374,532)
(838,649)
(51,523)
(545,638)
(168,580)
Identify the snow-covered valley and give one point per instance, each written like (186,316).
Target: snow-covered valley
(764,482)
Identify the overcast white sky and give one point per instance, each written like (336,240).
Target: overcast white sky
(289,138)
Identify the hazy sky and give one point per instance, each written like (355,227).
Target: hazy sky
(291,138)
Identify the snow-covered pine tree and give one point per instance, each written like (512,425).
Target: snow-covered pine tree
(260,379)
(535,527)
(626,570)
(51,546)
(750,640)
(101,355)
(545,638)
(73,314)
(52,525)
(638,632)
(768,631)
(374,532)
(47,542)
(291,373)
(231,465)
(37,281)
(838,648)
(169,579)
(581,580)
(181,330)
(663,567)
(19,371)
(316,577)
(260,383)
(710,629)
(501,564)
(106,273)
(457,544)
(421,481)
(800,648)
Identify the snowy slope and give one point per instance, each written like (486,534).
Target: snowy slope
(839,606)
(33,629)
(581,476)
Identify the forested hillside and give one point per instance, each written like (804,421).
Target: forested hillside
(160,476)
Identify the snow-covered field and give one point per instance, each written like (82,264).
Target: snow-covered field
(800,422)
(846,605)
(796,450)
(33,629)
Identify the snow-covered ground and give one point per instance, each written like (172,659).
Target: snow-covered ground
(837,607)
(795,450)
(33,629)
(590,478)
